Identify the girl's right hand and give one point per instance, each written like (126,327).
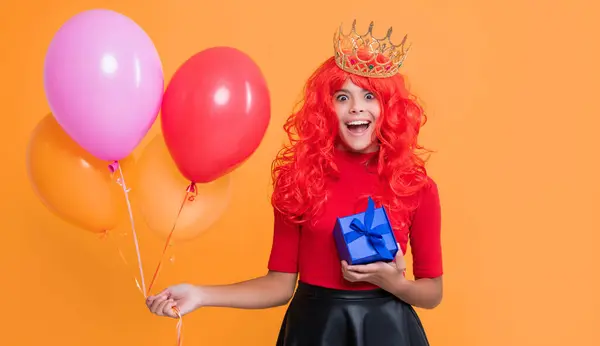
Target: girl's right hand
(175,301)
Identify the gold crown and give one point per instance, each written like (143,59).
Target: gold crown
(368,56)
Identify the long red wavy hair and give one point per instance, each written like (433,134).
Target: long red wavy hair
(300,169)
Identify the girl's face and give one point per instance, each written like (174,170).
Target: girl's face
(357,111)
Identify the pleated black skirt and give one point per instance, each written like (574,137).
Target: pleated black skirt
(320,316)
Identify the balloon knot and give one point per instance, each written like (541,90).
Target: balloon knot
(113,166)
(192,191)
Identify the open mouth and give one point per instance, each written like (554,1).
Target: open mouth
(358,126)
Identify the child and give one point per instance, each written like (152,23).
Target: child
(354,137)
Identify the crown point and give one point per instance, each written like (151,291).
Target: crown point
(404,40)
(389,33)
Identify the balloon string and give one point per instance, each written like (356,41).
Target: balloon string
(190,195)
(106,235)
(121,182)
(179,327)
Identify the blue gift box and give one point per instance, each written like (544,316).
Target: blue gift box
(365,237)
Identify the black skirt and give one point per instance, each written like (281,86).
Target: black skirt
(320,316)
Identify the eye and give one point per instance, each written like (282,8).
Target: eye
(369,96)
(341,97)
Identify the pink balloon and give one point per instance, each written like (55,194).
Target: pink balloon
(104,82)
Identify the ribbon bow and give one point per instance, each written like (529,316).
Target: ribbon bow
(374,235)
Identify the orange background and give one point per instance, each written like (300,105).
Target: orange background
(511,90)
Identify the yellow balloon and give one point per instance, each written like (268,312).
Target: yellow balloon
(72,183)
(160,193)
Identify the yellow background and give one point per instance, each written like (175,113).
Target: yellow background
(511,89)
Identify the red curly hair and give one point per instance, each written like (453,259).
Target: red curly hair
(299,170)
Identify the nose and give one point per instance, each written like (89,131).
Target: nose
(356,108)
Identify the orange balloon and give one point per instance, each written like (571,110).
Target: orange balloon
(161,189)
(73,184)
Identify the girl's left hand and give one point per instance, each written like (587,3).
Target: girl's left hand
(379,273)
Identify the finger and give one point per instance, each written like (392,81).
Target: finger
(364,268)
(401,263)
(400,252)
(156,305)
(164,307)
(177,312)
(355,277)
(169,309)
(161,294)
(344,266)
(153,303)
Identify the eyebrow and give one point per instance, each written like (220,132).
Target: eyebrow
(348,91)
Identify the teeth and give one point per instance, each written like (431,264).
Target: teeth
(358,122)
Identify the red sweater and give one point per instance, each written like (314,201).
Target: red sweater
(310,249)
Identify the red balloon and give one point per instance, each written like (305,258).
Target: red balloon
(215,112)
